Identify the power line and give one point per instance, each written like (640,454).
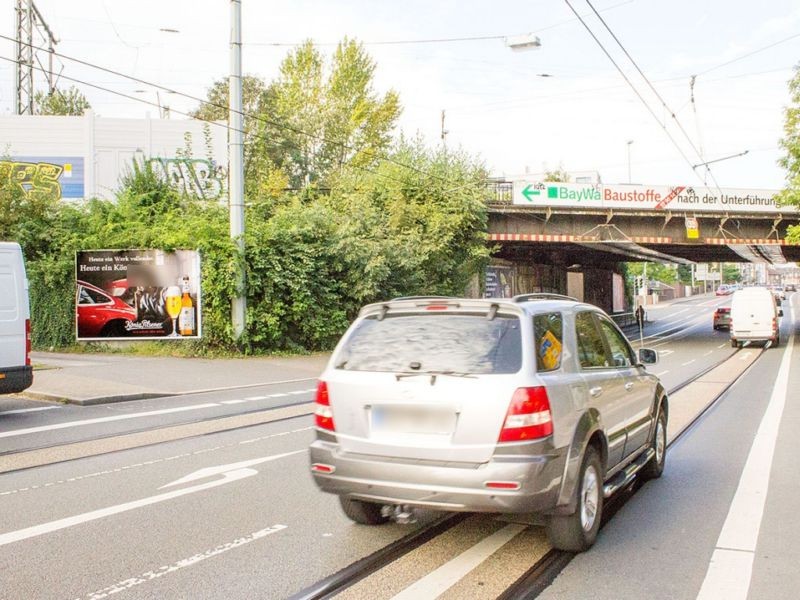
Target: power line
(654,90)
(227,127)
(316,137)
(635,91)
(477,38)
(749,54)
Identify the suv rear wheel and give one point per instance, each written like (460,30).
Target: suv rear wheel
(655,467)
(365,513)
(578,531)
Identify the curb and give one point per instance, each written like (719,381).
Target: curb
(48,397)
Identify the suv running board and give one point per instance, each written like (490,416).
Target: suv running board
(624,477)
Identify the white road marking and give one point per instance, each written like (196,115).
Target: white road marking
(688,362)
(229,468)
(154,462)
(44,528)
(708,353)
(20,411)
(662,373)
(252,398)
(745,355)
(666,352)
(68,424)
(722,345)
(233,401)
(436,582)
(731,566)
(127,584)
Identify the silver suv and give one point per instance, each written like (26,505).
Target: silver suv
(536,404)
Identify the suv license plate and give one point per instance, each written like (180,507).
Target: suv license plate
(414,420)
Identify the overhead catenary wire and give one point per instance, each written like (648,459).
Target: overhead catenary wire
(635,91)
(228,127)
(656,92)
(313,136)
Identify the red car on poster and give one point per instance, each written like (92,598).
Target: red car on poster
(99,314)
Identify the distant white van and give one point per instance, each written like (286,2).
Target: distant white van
(754,316)
(16,373)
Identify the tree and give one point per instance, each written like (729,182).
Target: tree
(318,121)
(557,175)
(216,109)
(791,144)
(71,103)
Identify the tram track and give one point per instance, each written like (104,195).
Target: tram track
(544,570)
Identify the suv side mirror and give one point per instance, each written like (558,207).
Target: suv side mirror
(648,356)
(780,312)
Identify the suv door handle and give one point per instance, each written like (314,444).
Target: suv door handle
(595,391)
(629,386)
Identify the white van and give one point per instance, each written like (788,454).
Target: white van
(754,316)
(16,373)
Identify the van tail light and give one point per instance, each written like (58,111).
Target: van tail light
(528,416)
(323,415)
(27,342)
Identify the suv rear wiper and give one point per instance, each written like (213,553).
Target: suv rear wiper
(432,374)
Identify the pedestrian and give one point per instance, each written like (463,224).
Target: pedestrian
(640,316)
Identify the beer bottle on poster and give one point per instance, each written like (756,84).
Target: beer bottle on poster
(186,319)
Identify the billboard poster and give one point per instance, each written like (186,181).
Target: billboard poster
(643,197)
(497,282)
(137,294)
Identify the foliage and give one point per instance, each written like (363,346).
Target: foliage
(791,144)
(71,102)
(731,273)
(655,272)
(557,175)
(375,221)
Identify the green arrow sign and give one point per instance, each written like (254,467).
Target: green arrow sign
(528,193)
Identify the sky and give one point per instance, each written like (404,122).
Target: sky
(563,105)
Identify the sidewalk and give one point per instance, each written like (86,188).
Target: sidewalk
(99,378)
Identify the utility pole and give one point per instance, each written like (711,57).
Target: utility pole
(30,20)
(236,165)
(444,131)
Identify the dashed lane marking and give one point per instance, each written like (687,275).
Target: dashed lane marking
(233,401)
(154,462)
(662,373)
(687,363)
(127,584)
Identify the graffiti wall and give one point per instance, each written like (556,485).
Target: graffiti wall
(193,176)
(45,176)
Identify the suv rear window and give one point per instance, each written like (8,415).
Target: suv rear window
(459,343)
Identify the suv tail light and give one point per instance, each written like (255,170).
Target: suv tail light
(27,342)
(528,416)
(323,415)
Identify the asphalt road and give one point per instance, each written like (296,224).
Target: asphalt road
(236,515)
(660,545)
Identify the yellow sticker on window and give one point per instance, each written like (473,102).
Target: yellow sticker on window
(550,350)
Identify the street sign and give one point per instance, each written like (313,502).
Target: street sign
(692,229)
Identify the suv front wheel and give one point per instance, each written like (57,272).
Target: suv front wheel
(578,531)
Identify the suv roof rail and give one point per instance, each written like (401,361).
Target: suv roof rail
(542,296)
(424,298)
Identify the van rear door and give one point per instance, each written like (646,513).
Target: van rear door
(15,369)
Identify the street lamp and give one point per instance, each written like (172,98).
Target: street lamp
(526,41)
(629,160)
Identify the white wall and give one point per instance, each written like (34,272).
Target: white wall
(107,145)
